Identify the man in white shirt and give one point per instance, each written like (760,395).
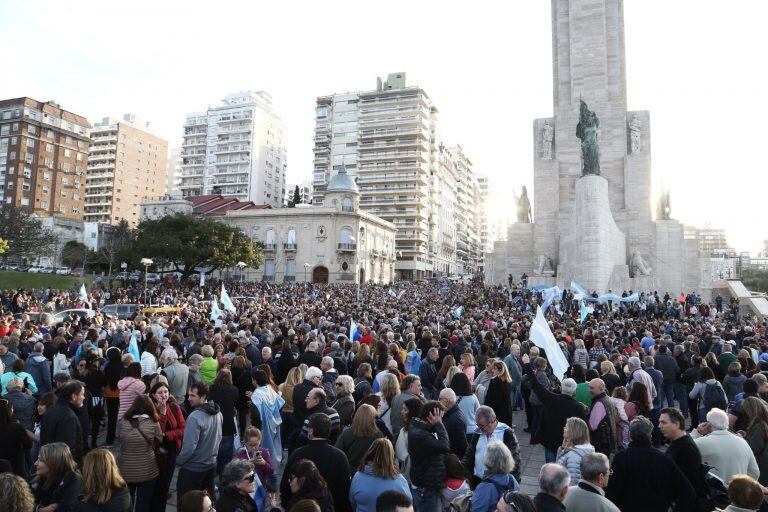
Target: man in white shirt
(727,453)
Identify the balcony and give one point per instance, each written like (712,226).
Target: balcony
(102,147)
(100,166)
(270,247)
(98,175)
(192,154)
(348,209)
(270,279)
(346,247)
(322,150)
(322,138)
(106,193)
(346,277)
(101,157)
(289,247)
(289,279)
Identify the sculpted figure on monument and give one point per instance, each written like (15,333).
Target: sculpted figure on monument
(664,209)
(635,125)
(586,130)
(638,266)
(523,205)
(545,140)
(545,265)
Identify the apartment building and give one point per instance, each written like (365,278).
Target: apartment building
(468,216)
(386,139)
(236,148)
(43,157)
(305,192)
(126,164)
(487,233)
(173,173)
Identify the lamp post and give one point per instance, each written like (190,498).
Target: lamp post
(147,263)
(241,266)
(306,268)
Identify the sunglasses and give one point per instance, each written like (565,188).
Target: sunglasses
(250,478)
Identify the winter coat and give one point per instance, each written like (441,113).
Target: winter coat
(230,500)
(120,501)
(61,424)
(64,494)
(354,447)
(503,433)
(345,406)
(733,385)
(456,426)
(366,488)
(331,463)
(129,388)
(24,408)
(759,445)
(570,459)
(300,392)
(208,370)
(498,397)
(40,369)
(137,461)
(427,454)
(488,492)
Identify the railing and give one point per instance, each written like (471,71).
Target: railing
(347,247)
(346,277)
(289,279)
(269,247)
(349,209)
(289,247)
(271,279)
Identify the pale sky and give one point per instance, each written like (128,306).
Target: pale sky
(698,66)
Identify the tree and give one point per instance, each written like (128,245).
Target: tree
(296,196)
(186,243)
(3,246)
(24,233)
(74,254)
(119,240)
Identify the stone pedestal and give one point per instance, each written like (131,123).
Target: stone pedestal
(668,262)
(593,245)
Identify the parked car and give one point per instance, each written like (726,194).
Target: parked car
(61,315)
(153,278)
(63,271)
(78,272)
(121,276)
(34,269)
(134,276)
(121,311)
(23,268)
(36,318)
(47,270)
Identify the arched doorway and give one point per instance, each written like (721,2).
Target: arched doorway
(362,275)
(320,275)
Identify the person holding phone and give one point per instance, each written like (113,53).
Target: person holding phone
(258,455)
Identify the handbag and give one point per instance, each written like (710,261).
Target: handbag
(161,454)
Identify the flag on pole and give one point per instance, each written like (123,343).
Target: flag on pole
(215,311)
(133,347)
(202,278)
(353,334)
(542,337)
(83,292)
(549,295)
(458,311)
(392,293)
(399,295)
(578,291)
(226,302)
(315,294)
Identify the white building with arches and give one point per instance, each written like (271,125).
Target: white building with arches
(336,242)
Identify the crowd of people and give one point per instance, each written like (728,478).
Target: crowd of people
(310,398)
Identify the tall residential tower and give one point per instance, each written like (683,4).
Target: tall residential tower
(235,149)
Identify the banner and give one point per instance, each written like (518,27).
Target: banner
(226,302)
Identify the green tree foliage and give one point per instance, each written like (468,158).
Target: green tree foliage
(24,233)
(296,196)
(74,254)
(755,280)
(3,246)
(184,243)
(115,243)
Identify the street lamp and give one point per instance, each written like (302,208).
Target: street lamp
(147,263)
(357,267)
(241,266)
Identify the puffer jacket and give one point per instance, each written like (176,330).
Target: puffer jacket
(427,454)
(40,369)
(570,459)
(130,388)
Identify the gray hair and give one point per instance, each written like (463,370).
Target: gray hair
(485,413)
(169,353)
(347,382)
(568,387)
(236,470)
(635,362)
(327,361)
(267,349)
(498,459)
(717,419)
(593,465)
(195,359)
(640,428)
(553,479)
(649,362)
(449,395)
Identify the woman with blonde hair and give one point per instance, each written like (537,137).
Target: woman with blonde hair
(575,445)
(757,433)
(467,365)
(103,487)
(344,403)
(581,354)
(290,420)
(57,483)
(498,396)
(609,376)
(356,439)
(390,388)
(16,495)
(375,474)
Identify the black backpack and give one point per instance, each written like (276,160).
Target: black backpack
(714,396)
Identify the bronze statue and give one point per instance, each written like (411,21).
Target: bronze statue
(586,130)
(523,205)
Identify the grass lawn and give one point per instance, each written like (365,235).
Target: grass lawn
(9,279)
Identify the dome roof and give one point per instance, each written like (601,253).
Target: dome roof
(343,182)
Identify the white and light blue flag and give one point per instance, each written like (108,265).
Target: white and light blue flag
(542,337)
(133,347)
(226,302)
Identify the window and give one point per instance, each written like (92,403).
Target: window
(69,139)
(46,176)
(27,172)
(65,181)
(270,240)
(24,201)
(67,153)
(292,236)
(79,157)
(31,129)
(49,162)
(29,158)
(46,191)
(25,186)
(345,236)
(63,193)
(63,208)
(15,127)
(269,268)
(44,204)
(290,266)
(50,134)
(5,129)
(10,185)
(49,148)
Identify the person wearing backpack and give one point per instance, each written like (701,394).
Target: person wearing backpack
(709,393)
(497,480)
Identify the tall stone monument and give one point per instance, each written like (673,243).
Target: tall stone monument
(592,172)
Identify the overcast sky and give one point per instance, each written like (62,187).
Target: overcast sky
(697,65)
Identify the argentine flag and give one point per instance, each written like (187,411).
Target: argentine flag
(133,347)
(83,292)
(215,311)
(226,302)
(458,311)
(353,334)
(392,293)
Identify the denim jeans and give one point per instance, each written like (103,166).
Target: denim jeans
(549,456)
(225,453)
(425,500)
(141,494)
(682,396)
(195,481)
(668,394)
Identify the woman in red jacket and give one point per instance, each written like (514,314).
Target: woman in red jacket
(172,424)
